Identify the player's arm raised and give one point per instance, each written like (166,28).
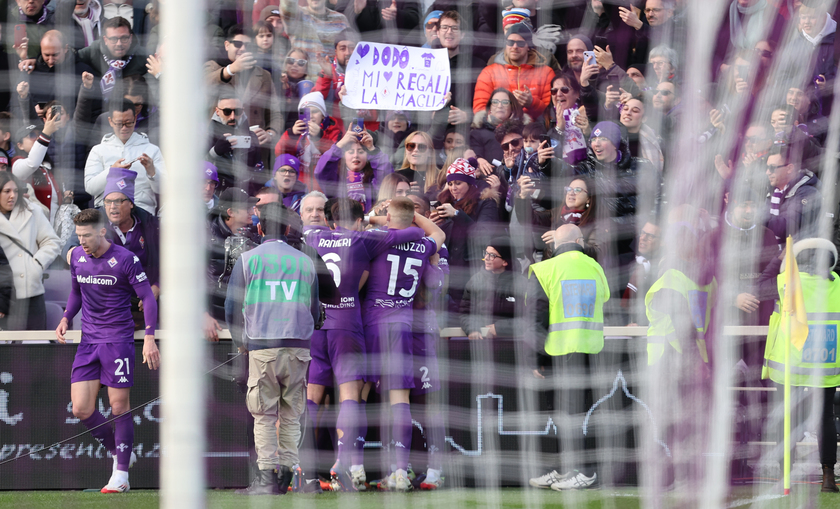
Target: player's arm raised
(430,229)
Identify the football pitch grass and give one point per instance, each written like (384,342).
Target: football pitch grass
(607,498)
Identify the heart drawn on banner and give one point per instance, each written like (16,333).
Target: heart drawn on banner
(387,75)
(363,50)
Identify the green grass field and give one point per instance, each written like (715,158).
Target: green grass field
(623,498)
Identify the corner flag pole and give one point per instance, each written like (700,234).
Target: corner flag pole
(786,466)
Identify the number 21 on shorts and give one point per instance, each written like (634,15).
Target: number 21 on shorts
(120,364)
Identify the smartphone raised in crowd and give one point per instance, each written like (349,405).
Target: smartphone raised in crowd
(588,57)
(358,126)
(20,35)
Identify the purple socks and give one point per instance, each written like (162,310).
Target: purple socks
(401,433)
(346,423)
(358,452)
(124,440)
(105,434)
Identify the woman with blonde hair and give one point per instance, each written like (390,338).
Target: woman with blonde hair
(419,165)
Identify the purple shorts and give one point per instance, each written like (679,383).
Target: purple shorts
(390,363)
(426,375)
(110,363)
(336,353)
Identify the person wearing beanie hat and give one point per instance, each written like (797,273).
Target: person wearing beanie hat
(574,54)
(430,28)
(307,141)
(521,69)
(605,132)
(286,170)
(460,171)
(492,296)
(466,214)
(131,227)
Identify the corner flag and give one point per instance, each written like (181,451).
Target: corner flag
(793,305)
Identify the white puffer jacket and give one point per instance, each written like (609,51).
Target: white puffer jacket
(29,226)
(104,155)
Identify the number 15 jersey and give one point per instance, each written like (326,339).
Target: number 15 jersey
(393,281)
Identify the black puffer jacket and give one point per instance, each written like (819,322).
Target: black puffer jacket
(493,299)
(623,187)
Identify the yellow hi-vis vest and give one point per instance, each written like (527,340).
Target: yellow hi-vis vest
(661,330)
(577,289)
(818,364)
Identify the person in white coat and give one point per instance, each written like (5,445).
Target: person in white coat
(30,245)
(126,149)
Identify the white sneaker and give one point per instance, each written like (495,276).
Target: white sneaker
(545,481)
(358,477)
(433,480)
(574,482)
(401,481)
(131,462)
(117,484)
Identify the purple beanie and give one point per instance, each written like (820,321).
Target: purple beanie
(608,130)
(287,160)
(120,180)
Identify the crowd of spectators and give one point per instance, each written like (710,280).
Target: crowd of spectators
(559,113)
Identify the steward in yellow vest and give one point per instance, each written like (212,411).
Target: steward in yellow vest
(817,365)
(679,304)
(565,309)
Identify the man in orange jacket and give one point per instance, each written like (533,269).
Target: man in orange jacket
(520,69)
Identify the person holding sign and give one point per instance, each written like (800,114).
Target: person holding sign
(814,363)
(564,303)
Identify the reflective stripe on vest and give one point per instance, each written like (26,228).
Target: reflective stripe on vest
(818,363)
(576,288)
(700,300)
(555,327)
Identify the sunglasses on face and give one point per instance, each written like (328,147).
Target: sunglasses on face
(431,25)
(565,90)
(512,144)
(238,44)
(420,147)
(773,167)
(228,111)
(763,53)
(664,93)
(518,44)
(296,61)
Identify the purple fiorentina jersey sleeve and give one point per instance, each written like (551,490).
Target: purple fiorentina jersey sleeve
(394,280)
(347,254)
(106,286)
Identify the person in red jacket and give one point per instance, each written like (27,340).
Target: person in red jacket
(307,141)
(520,69)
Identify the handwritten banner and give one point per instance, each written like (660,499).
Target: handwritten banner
(388,77)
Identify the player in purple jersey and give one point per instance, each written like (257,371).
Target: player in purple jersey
(338,348)
(104,278)
(391,286)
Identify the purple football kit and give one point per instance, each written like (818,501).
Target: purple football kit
(393,282)
(102,288)
(338,348)
(425,329)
